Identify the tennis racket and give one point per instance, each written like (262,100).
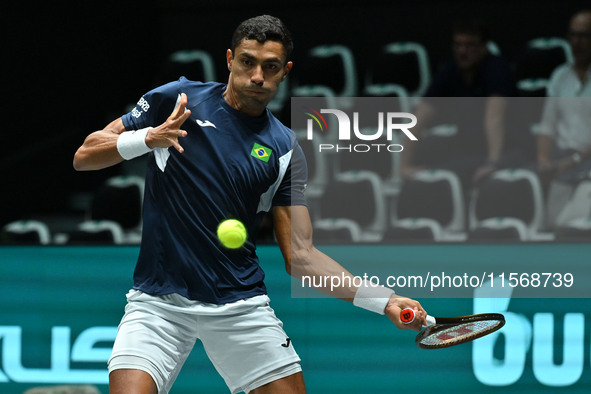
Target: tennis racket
(443,332)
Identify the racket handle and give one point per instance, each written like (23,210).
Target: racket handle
(407,315)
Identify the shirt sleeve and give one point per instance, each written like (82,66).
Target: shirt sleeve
(292,188)
(153,108)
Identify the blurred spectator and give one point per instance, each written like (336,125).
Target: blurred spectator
(564,140)
(476,150)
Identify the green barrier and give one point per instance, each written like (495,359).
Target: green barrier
(60,306)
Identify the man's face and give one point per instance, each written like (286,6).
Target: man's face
(580,38)
(256,70)
(468,50)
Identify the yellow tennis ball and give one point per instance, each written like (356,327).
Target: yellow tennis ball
(232,233)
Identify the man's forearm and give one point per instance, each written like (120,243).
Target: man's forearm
(494,127)
(545,144)
(313,266)
(98,151)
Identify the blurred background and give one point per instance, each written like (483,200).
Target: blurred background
(72,67)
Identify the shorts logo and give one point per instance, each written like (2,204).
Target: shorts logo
(287,343)
(261,152)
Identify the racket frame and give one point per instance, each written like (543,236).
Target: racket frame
(444,323)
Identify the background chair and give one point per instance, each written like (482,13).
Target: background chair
(510,193)
(579,204)
(120,200)
(431,200)
(97,232)
(384,163)
(400,67)
(194,64)
(25,232)
(574,222)
(328,70)
(414,230)
(578,230)
(355,201)
(116,208)
(538,60)
(499,229)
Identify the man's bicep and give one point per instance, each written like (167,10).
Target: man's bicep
(116,126)
(282,224)
(301,225)
(292,223)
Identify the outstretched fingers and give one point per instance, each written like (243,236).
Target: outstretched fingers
(180,113)
(178,116)
(175,141)
(181,106)
(169,132)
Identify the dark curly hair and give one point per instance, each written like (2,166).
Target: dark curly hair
(263,28)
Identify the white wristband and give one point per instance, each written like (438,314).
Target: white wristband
(131,144)
(372,297)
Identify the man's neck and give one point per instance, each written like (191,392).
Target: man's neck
(232,99)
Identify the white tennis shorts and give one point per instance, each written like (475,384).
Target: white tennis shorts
(244,340)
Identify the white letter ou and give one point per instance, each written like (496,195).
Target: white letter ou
(517,331)
(344,123)
(571,369)
(401,126)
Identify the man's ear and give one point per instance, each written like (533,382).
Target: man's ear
(229,58)
(287,69)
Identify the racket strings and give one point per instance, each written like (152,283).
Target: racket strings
(460,333)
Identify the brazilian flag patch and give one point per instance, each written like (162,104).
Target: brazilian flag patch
(261,152)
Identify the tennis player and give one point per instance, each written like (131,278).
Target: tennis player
(216,152)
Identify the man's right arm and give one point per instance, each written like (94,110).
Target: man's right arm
(293,229)
(101,149)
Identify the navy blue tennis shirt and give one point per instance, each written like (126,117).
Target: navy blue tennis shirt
(233,166)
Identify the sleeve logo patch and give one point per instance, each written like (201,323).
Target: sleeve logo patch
(141,107)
